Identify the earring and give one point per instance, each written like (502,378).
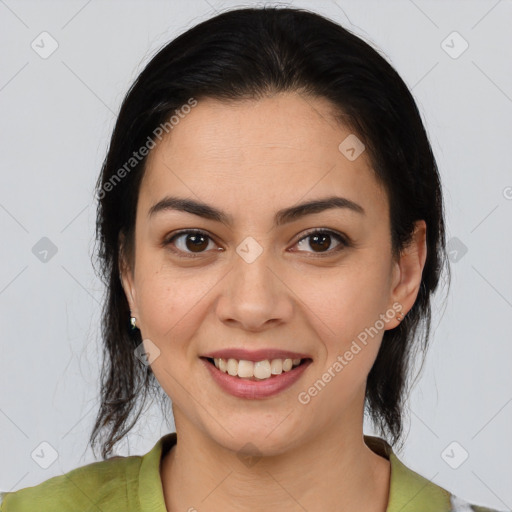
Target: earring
(400,316)
(133,321)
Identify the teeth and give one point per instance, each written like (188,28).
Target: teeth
(223,365)
(245,368)
(261,369)
(258,370)
(287,365)
(276,366)
(232,367)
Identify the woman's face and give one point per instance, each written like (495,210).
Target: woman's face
(259,284)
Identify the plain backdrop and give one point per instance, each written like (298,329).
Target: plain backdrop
(57,113)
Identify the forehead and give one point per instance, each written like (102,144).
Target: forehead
(286,125)
(281,149)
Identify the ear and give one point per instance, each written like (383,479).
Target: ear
(126,276)
(408,270)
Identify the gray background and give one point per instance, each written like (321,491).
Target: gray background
(57,115)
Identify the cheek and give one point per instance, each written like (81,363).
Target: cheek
(170,301)
(349,298)
(344,311)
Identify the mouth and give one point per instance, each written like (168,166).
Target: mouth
(261,370)
(255,377)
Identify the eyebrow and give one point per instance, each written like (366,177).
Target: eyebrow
(283,216)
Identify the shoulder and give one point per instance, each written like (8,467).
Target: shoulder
(431,497)
(411,492)
(103,485)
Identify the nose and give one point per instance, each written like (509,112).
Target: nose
(254,296)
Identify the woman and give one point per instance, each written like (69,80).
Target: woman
(270,228)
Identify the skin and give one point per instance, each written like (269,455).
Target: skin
(251,159)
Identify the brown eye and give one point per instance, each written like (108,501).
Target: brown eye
(321,241)
(196,243)
(190,242)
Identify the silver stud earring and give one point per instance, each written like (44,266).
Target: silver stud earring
(400,316)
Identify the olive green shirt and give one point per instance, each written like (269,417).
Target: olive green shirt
(133,484)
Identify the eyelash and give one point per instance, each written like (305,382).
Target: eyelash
(343,242)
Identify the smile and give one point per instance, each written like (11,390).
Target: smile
(259,379)
(258,370)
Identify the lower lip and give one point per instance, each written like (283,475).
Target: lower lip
(254,389)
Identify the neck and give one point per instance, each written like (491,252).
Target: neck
(335,470)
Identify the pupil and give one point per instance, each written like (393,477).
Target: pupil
(323,240)
(199,242)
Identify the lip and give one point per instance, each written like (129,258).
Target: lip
(255,355)
(251,389)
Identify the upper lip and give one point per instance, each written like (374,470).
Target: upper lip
(255,355)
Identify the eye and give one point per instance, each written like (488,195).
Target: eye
(190,242)
(321,240)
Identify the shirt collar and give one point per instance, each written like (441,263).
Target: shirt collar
(408,490)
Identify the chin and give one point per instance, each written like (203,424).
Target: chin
(256,439)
